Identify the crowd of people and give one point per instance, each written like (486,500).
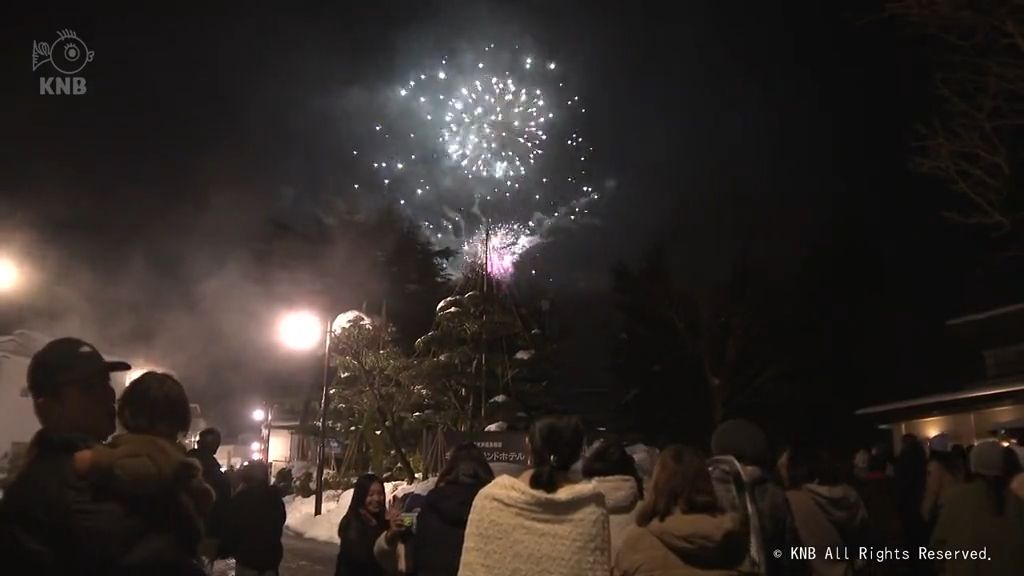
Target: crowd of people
(91,502)
(813,511)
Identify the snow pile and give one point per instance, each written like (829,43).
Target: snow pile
(325,527)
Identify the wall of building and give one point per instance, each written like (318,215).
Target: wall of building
(965,428)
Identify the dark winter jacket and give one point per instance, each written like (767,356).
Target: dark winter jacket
(55,523)
(778,531)
(253,526)
(886,527)
(441,529)
(355,553)
(215,478)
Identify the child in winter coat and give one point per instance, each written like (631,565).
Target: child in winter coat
(148,468)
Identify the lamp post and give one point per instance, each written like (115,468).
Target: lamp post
(302,331)
(318,502)
(263,416)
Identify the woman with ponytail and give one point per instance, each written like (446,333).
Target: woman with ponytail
(543,523)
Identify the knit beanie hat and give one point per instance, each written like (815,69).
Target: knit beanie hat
(987,459)
(741,439)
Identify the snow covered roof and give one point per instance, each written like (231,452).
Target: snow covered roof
(980,393)
(987,314)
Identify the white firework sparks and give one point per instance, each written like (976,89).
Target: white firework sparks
(483,138)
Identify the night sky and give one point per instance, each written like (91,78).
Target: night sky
(778,135)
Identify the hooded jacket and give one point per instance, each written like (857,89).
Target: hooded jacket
(514,530)
(828,517)
(621,497)
(682,545)
(441,528)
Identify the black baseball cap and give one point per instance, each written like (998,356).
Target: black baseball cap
(64,361)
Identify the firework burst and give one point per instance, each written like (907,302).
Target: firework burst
(489,137)
(497,249)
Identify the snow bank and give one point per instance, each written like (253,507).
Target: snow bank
(325,527)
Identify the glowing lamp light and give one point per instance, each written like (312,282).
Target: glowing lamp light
(257,456)
(258,415)
(9,275)
(255,447)
(299,330)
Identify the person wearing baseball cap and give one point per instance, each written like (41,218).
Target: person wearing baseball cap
(50,520)
(69,381)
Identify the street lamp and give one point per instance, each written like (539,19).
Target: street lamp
(302,331)
(10,275)
(259,414)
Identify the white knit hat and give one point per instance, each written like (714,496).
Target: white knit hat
(988,458)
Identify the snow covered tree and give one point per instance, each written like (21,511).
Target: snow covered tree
(480,362)
(369,391)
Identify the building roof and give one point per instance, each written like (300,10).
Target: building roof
(936,401)
(986,315)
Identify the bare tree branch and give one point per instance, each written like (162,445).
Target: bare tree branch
(979,86)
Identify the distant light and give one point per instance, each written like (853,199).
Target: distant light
(134,373)
(402,92)
(255,446)
(257,456)
(442,75)
(551,65)
(258,415)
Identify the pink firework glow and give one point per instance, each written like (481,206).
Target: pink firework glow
(500,249)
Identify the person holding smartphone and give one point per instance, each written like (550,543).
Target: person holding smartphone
(394,548)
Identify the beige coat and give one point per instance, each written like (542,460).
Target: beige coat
(514,530)
(682,545)
(621,498)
